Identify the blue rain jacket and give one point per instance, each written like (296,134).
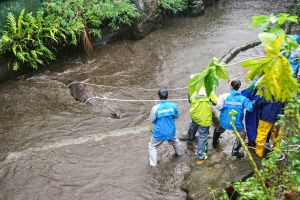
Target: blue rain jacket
(293,57)
(269,110)
(295,64)
(163,118)
(251,118)
(235,101)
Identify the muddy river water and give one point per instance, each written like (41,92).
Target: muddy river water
(52,147)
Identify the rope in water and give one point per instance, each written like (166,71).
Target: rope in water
(137,88)
(128,100)
(131,100)
(131,88)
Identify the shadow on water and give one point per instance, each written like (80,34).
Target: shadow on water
(52,147)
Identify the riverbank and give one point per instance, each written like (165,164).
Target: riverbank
(148,18)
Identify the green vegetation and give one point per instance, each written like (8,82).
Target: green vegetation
(278,178)
(173,5)
(15,7)
(33,40)
(77,17)
(277,79)
(29,39)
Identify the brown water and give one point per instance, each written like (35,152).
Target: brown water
(53,147)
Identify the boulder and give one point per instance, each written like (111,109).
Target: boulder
(195,8)
(209,2)
(148,19)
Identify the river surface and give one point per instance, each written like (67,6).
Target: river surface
(53,147)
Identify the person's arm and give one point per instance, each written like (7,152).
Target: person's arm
(153,113)
(177,113)
(248,105)
(260,102)
(221,100)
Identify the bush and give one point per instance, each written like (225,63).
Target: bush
(32,40)
(28,39)
(173,5)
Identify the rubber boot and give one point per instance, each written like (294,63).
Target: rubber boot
(217,133)
(235,149)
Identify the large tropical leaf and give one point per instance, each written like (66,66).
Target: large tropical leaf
(275,71)
(209,77)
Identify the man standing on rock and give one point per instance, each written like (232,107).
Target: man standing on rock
(234,101)
(163,117)
(201,115)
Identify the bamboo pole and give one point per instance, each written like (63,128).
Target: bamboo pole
(249,156)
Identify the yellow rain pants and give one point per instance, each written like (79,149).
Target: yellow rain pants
(262,134)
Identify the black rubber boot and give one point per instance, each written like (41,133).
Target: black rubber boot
(217,133)
(235,149)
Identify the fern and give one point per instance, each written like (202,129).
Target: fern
(20,23)
(26,40)
(32,40)
(11,23)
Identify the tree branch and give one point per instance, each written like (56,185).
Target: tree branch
(235,51)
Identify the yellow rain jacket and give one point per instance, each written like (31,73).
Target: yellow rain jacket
(200,108)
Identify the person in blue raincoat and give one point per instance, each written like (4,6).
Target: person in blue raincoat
(234,101)
(251,118)
(267,123)
(295,56)
(163,117)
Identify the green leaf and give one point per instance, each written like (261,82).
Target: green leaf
(15,66)
(251,63)
(295,139)
(256,67)
(295,163)
(222,72)
(196,82)
(267,38)
(282,17)
(293,18)
(11,23)
(298,179)
(274,48)
(233,112)
(20,22)
(259,20)
(210,81)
